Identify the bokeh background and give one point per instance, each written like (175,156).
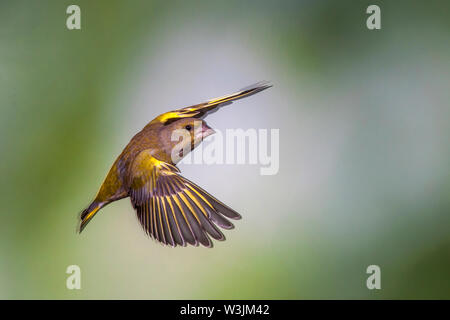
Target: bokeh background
(364,123)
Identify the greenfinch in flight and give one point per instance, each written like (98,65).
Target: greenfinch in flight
(170,208)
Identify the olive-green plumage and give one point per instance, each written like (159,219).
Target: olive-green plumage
(171,209)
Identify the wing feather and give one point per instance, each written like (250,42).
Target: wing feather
(202,109)
(172,209)
(176,230)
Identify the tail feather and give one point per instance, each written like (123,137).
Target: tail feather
(88,214)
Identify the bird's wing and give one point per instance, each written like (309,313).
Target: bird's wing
(172,209)
(202,109)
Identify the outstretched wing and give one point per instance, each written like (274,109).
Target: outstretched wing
(172,209)
(202,109)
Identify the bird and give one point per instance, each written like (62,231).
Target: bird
(171,209)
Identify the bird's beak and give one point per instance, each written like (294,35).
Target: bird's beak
(206,131)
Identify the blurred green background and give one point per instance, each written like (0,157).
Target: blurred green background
(364,123)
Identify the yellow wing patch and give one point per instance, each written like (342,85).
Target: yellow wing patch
(200,110)
(172,209)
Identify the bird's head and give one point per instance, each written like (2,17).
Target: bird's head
(183,135)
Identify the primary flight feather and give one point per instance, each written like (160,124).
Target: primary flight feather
(170,208)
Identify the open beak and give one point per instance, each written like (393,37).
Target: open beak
(206,131)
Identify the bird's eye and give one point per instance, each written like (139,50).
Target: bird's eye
(188,127)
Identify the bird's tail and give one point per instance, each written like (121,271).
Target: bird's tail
(88,214)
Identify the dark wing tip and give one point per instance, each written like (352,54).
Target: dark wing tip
(237,217)
(257,87)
